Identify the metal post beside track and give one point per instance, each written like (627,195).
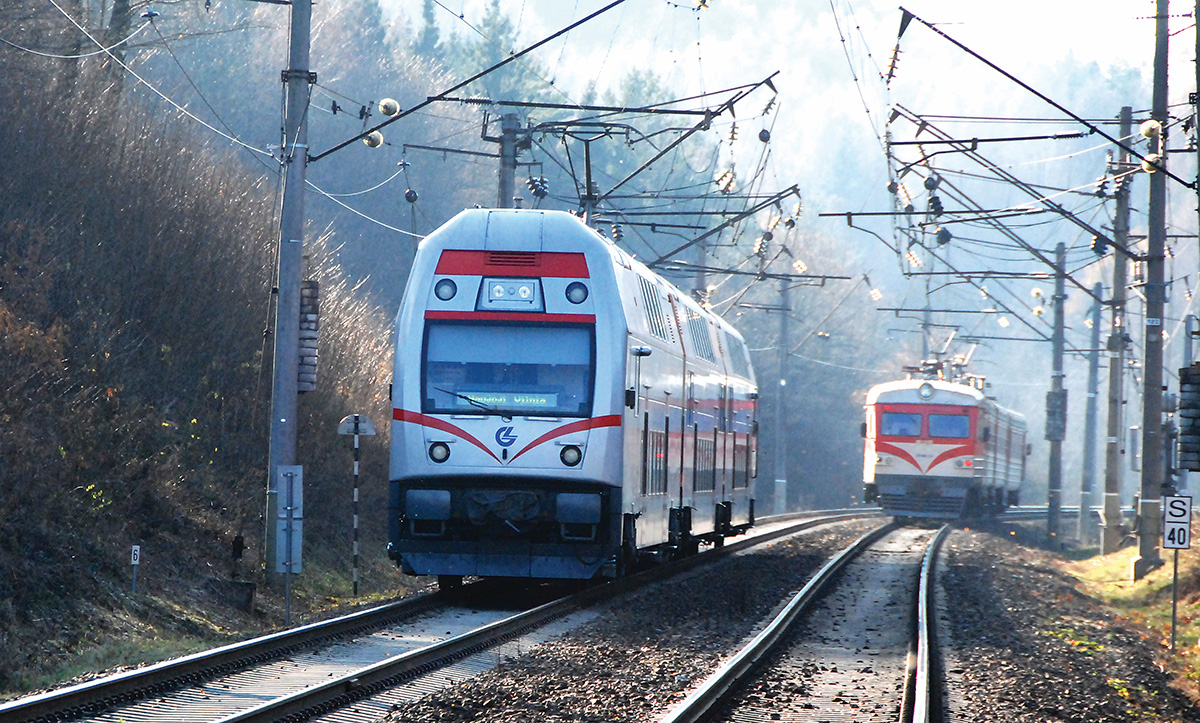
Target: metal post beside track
(356,424)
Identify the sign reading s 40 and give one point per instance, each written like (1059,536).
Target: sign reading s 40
(1177,523)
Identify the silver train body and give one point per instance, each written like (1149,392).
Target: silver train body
(941,450)
(559,410)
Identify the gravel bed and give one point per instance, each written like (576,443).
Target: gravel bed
(1025,645)
(637,659)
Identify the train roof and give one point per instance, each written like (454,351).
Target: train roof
(909,390)
(514,229)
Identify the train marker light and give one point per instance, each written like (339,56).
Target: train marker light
(439,452)
(570,455)
(925,390)
(577,292)
(445,289)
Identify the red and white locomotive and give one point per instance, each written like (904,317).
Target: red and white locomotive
(558,409)
(941,449)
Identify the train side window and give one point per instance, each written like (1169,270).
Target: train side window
(899,424)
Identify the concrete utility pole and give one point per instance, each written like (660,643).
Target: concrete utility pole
(509,125)
(1087,527)
(1110,540)
(1056,401)
(1149,509)
(781,418)
(285,380)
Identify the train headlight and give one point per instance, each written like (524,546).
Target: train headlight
(439,452)
(445,289)
(577,292)
(925,390)
(571,455)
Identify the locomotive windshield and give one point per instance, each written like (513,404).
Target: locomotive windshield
(900,424)
(529,370)
(952,426)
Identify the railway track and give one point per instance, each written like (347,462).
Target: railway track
(854,644)
(356,667)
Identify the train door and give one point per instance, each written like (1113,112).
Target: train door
(637,448)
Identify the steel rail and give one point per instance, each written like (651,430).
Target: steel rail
(918,705)
(103,693)
(349,689)
(713,690)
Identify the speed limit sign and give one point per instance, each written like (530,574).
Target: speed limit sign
(1177,523)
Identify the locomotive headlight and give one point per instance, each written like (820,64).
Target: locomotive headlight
(445,289)
(925,390)
(570,455)
(577,292)
(439,452)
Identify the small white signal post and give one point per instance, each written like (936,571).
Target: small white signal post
(1177,535)
(135,559)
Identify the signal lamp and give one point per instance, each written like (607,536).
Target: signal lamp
(439,452)
(445,289)
(577,292)
(570,455)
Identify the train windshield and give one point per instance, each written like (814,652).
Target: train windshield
(899,424)
(528,370)
(952,426)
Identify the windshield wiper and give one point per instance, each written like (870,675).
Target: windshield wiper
(469,400)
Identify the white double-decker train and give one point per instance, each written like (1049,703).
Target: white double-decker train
(559,410)
(941,449)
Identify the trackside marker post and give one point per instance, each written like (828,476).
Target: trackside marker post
(135,559)
(356,424)
(1177,535)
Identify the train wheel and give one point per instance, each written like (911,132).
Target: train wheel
(447,583)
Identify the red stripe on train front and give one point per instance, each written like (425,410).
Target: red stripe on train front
(612,420)
(897,452)
(425,420)
(955,452)
(510,316)
(557,264)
